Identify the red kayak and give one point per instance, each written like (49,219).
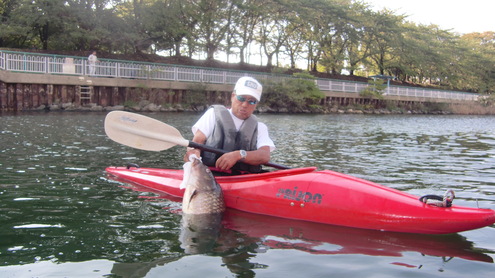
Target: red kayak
(324,197)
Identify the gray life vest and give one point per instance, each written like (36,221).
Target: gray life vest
(226,137)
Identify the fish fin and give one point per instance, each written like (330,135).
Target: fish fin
(194,193)
(190,198)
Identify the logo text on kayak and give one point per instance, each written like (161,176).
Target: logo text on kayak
(298,195)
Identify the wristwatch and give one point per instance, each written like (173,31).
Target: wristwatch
(243,154)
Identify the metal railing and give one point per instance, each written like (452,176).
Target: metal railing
(71,65)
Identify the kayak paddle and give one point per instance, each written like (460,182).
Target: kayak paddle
(145,133)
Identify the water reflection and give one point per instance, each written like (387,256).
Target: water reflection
(244,235)
(199,232)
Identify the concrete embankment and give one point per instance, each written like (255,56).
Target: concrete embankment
(21,91)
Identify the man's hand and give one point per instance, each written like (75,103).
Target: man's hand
(199,138)
(191,151)
(228,160)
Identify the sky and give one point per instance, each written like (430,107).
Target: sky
(459,16)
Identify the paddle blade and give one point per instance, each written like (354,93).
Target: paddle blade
(141,132)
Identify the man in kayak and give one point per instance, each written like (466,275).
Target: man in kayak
(235,130)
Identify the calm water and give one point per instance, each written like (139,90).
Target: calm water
(60,216)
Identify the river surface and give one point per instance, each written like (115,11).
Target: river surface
(61,216)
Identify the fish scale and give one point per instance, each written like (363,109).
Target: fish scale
(208,202)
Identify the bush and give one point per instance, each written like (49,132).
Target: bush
(294,95)
(375,89)
(130,103)
(196,95)
(487,100)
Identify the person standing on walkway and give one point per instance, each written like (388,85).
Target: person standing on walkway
(92,60)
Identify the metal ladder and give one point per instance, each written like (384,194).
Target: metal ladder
(85,93)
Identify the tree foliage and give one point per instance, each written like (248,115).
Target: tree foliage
(333,36)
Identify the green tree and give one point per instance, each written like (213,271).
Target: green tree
(386,34)
(272,32)
(245,20)
(326,23)
(133,14)
(13,31)
(294,42)
(47,19)
(358,46)
(89,24)
(169,24)
(334,39)
(479,65)
(56,24)
(213,19)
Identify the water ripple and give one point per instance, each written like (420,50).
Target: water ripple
(58,208)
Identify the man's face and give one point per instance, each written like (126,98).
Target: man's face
(241,107)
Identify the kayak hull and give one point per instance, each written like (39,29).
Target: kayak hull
(324,197)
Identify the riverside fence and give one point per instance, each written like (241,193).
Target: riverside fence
(25,62)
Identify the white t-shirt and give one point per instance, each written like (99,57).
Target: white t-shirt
(207,122)
(92,59)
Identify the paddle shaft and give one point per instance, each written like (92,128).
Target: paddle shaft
(220,151)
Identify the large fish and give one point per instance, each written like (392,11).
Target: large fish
(202,208)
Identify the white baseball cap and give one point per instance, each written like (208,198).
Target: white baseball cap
(248,86)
